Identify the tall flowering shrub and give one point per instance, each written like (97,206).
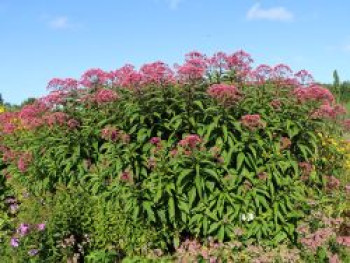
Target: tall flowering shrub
(213,147)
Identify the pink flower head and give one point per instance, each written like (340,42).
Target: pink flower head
(55,97)
(262,73)
(332,182)
(41,227)
(285,143)
(252,121)
(72,124)
(306,168)
(194,67)
(23,229)
(7,122)
(157,73)
(55,118)
(8,155)
(62,84)
(155,140)
(334,259)
(224,93)
(94,77)
(313,93)
(9,128)
(31,115)
(14,242)
(103,96)
(218,61)
(343,240)
(318,238)
(33,252)
(276,104)
(190,141)
(304,78)
(24,161)
(327,111)
(110,133)
(126,176)
(282,72)
(240,62)
(126,77)
(262,176)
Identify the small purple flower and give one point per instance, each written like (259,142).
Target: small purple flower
(23,229)
(10,200)
(33,252)
(13,208)
(41,227)
(14,242)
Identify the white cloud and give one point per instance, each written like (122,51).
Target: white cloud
(256,12)
(174,4)
(60,23)
(347,48)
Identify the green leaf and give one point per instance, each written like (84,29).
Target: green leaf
(240,160)
(171,209)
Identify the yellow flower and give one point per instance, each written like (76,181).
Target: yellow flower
(2,109)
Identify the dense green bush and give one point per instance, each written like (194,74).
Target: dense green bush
(147,159)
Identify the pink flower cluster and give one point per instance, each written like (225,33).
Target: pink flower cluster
(30,116)
(194,248)
(240,62)
(332,182)
(262,73)
(94,77)
(126,176)
(24,230)
(313,93)
(157,73)
(304,78)
(24,161)
(306,169)
(67,84)
(190,141)
(55,118)
(8,122)
(114,135)
(344,241)
(327,111)
(318,238)
(224,93)
(103,96)
(285,143)
(252,122)
(126,77)
(194,67)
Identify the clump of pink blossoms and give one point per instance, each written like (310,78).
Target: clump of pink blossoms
(103,96)
(24,161)
(225,94)
(252,121)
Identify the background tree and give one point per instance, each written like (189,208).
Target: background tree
(336,84)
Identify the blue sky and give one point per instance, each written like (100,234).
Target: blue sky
(43,39)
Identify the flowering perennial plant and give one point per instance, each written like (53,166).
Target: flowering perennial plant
(214,147)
